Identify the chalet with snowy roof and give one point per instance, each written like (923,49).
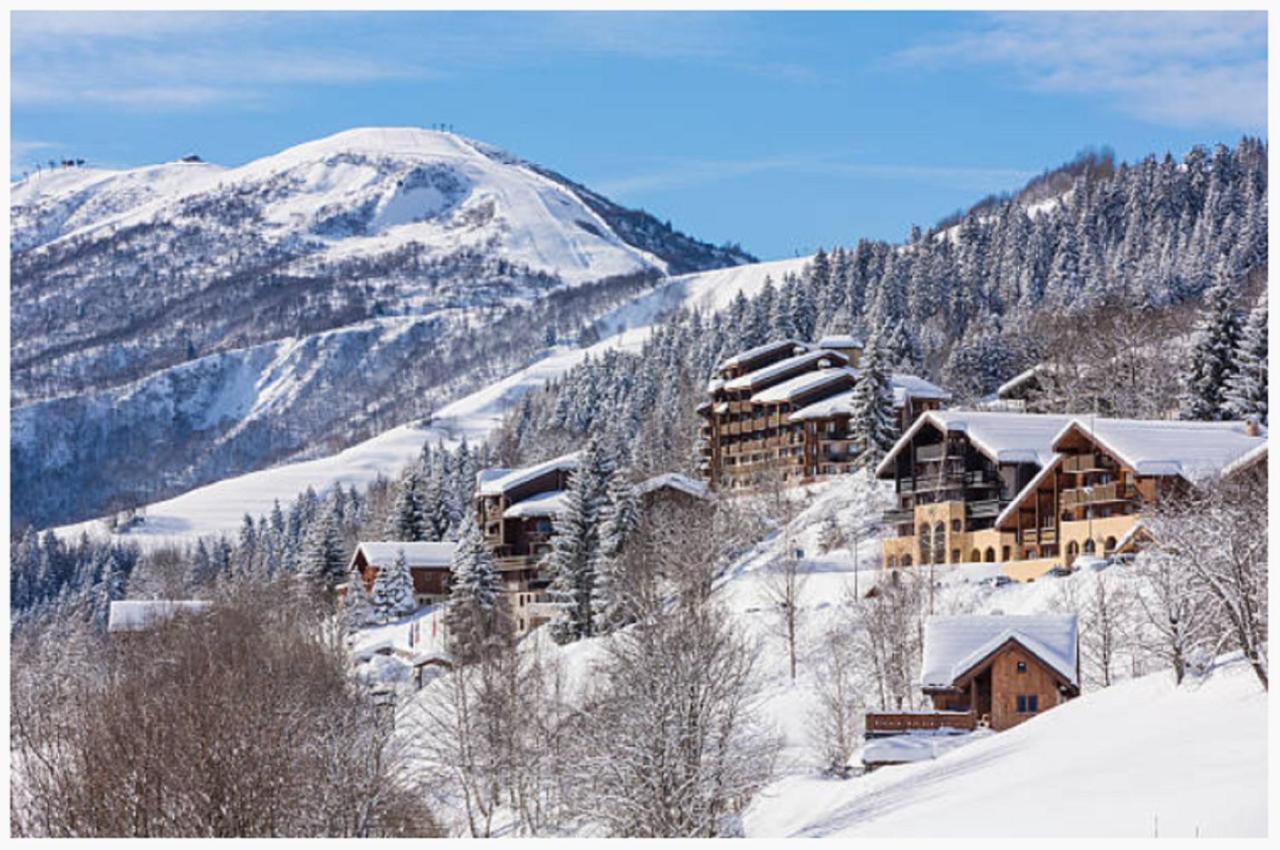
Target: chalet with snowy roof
(673,488)
(1106,474)
(428,563)
(784,408)
(954,471)
(141,615)
(989,672)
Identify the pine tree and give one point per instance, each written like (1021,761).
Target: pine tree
(1247,388)
(357,608)
(575,547)
(393,590)
(407,522)
(872,422)
(474,610)
(620,517)
(1213,355)
(323,561)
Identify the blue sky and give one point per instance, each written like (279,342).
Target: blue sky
(781,131)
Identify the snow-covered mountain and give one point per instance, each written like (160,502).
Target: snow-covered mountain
(363,260)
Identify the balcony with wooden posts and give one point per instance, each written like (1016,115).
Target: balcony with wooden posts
(1085,462)
(1096,494)
(881,724)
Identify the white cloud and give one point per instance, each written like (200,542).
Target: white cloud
(1172,68)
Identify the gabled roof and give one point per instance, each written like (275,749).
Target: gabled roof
(804,361)
(904,387)
(136,615)
(1034,484)
(1003,437)
(489,484)
(549,504)
(953,646)
(1193,450)
(803,383)
(382,553)
(673,481)
(759,351)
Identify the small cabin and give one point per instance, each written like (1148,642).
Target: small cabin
(429,564)
(990,672)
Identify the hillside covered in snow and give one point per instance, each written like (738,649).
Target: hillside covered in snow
(240,316)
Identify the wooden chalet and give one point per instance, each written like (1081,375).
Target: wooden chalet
(954,472)
(990,672)
(783,410)
(1106,474)
(429,564)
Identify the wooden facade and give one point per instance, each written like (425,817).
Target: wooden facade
(1010,685)
(429,565)
(951,487)
(780,414)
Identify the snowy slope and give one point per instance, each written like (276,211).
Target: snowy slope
(50,204)
(1139,759)
(219,508)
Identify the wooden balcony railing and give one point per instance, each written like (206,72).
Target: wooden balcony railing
(895,723)
(1113,492)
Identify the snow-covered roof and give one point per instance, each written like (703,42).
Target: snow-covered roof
(782,367)
(1256,454)
(136,615)
(954,645)
(839,341)
(427,554)
(510,479)
(904,387)
(1003,437)
(803,383)
(1193,450)
(1019,379)
(760,351)
(674,481)
(913,386)
(552,503)
(1031,486)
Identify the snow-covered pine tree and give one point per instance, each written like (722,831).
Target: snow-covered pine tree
(406,522)
(620,517)
(575,547)
(1247,389)
(393,590)
(475,609)
(872,421)
(1213,355)
(323,561)
(357,608)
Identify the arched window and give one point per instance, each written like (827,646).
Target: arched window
(975,556)
(1073,549)
(1109,546)
(955,556)
(893,562)
(906,560)
(940,543)
(922,537)
(1090,547)
(991,555)
(955,526)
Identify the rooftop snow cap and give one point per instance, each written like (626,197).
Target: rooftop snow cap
(496,482)
(954,645)
(380,553)
(1003,437)
(1193,450)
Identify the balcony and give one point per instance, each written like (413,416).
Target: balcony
(1087,462)
(985,509)
(898,516)
(1098,494)
(1040,536)
(883,723)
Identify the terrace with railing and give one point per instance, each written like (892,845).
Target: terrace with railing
(883,723)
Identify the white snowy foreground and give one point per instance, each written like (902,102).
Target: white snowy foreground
(1141,758)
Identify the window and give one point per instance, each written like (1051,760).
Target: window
(1028,704)
(1090,547)
(955,526)
(1022,666)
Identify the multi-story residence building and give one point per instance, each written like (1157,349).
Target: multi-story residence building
(1105,474)
(1035,491)
(517,509)
(781,411)
(954,471)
